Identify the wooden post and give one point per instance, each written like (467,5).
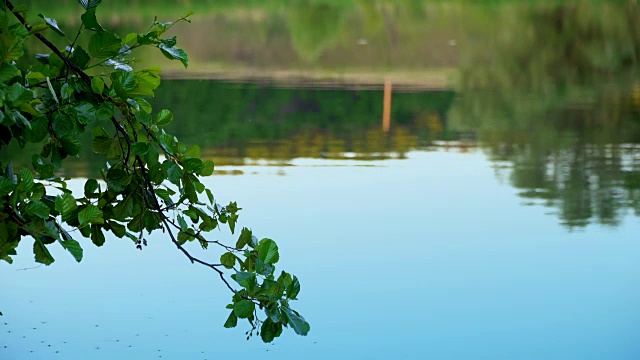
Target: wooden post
(386,109)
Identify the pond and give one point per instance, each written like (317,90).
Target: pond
(448,181)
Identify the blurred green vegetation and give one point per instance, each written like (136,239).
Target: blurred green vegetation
(240,123)
(555,102)
(550,89)
(235,123)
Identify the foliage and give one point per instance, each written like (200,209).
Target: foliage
(151,180)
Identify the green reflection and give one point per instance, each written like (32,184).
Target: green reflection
(242,123)
(554,93)
(239,122)
(549,88)
(314,27)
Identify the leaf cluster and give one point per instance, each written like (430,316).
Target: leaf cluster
(150,181)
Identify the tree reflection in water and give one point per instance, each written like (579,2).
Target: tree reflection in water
(557,100)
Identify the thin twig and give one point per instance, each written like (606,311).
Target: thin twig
(30,268)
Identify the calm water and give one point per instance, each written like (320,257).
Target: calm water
(497,218)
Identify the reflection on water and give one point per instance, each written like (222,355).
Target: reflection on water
(559,104)
(237,123)
(579,156)
(549,91)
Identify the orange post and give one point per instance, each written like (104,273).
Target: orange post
(386,109)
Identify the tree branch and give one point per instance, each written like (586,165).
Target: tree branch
(50,45)
(148,184)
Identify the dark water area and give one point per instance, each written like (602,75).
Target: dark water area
(450,180)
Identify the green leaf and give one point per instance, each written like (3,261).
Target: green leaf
(117,229)
(37,208)
(228,260)
(53,231)
(244,309)
(97,237)
(182,222)
(90,187)
(8,71)
(105,111)
(148,78)
(164,118)
(174,53)
(125,78)
(66,91)
(120,91)
(26,179)
(142,89)
(74,248)
(53,24)
(18,94)
(42,254)
(39,130)
(6,186)
(86,112)
(133,102)
(139,148)
(168,142)
(246,279)
(116,180)
(268,251)
(192,214)
(192,166)
(64,125)
(129,38)
(182,237)
(150,221)
(294,289)
(104,45)
(264,269)
(209,195)
(66,205)
(296,321)
(102,144)
(124,210)
(193,152)
(207,168)
(97,85)
(12,44)
(232,321)
(270,330)
(38,28)
(31,77)
(90,214)
(273,312)
(18,116)
(232,219)
(80,57)
(244,239)
(89,20)
(89,4)
(174,173)
(38,191)
(71,145)
(144,117)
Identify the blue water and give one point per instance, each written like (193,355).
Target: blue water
(429,257)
